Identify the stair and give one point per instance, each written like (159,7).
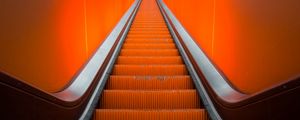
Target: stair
(128,114)
(149,80)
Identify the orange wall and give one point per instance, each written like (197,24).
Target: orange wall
(46,42)
(254,42)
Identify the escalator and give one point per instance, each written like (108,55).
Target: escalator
(148,67)
(149,79)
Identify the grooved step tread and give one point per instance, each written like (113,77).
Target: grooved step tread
(127,114)
(149,70)
(155,22)
(149,82)
(153,60)
(144,99)
(160,23)
(149,29)
(135,60)
(157,40)
(148,32)
(162,31)
(149,46)
(147,52)
(149,21)
(148,36)
(148,25)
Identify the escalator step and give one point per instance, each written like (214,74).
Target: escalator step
(147,52)
(149,32)
(148,26)
(149,82)
(158,33)
(136,60)
(148,21)
(149,70)
(140,19)
(125,114)
(163,99)
(148,36)
(143,41)
(149,46)
(148,29)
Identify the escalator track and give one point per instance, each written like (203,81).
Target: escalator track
(149,79)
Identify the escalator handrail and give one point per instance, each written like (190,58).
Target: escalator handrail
(93,101)
(207,102)
(219,90)
(83,85)
(213,76)
(80,85)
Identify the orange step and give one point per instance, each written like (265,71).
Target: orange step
(156,21)
(149,41)
(149,70)
(147,52)
(127,114)
(135,60)
(148,36)
(146,27)
(149,46)
(141,99)
(160,23)
(149,28)
(149,23)
(149,32)
(118,82)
